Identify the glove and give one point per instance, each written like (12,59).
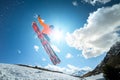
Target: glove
(39,16)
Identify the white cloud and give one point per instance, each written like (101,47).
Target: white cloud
(43,59)
(70,69)
(55,48)
(99,34)
(35,36)
(36,48)
(79,55)
(55,68)
(68,55)
(19,51)
(93,2)
(75,3)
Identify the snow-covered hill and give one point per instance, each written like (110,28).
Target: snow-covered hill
(80,73)
(15,72)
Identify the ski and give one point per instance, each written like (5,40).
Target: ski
(53,57)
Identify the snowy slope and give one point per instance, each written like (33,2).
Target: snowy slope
(15,72)
(80,73)
(95,77)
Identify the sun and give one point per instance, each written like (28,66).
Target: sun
(57,35)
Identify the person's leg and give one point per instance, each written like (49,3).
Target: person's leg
(46,37)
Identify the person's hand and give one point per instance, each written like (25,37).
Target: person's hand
(39,16)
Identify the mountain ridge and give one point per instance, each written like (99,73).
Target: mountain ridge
(112,58)
(39,68)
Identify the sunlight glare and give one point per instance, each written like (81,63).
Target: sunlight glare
(57,35)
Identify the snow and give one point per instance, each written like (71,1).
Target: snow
(15,72)
(95,77)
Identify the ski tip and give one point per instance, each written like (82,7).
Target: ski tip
(57,62)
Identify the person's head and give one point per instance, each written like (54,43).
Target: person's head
(51,27)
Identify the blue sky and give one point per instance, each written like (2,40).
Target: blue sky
(86,27)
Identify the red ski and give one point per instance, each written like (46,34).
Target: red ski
(53,57)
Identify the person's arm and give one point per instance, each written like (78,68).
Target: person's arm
(42,23)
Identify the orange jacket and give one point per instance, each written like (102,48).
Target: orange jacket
(46,29)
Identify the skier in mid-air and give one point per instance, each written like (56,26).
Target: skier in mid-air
(47,29)
(43,36)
